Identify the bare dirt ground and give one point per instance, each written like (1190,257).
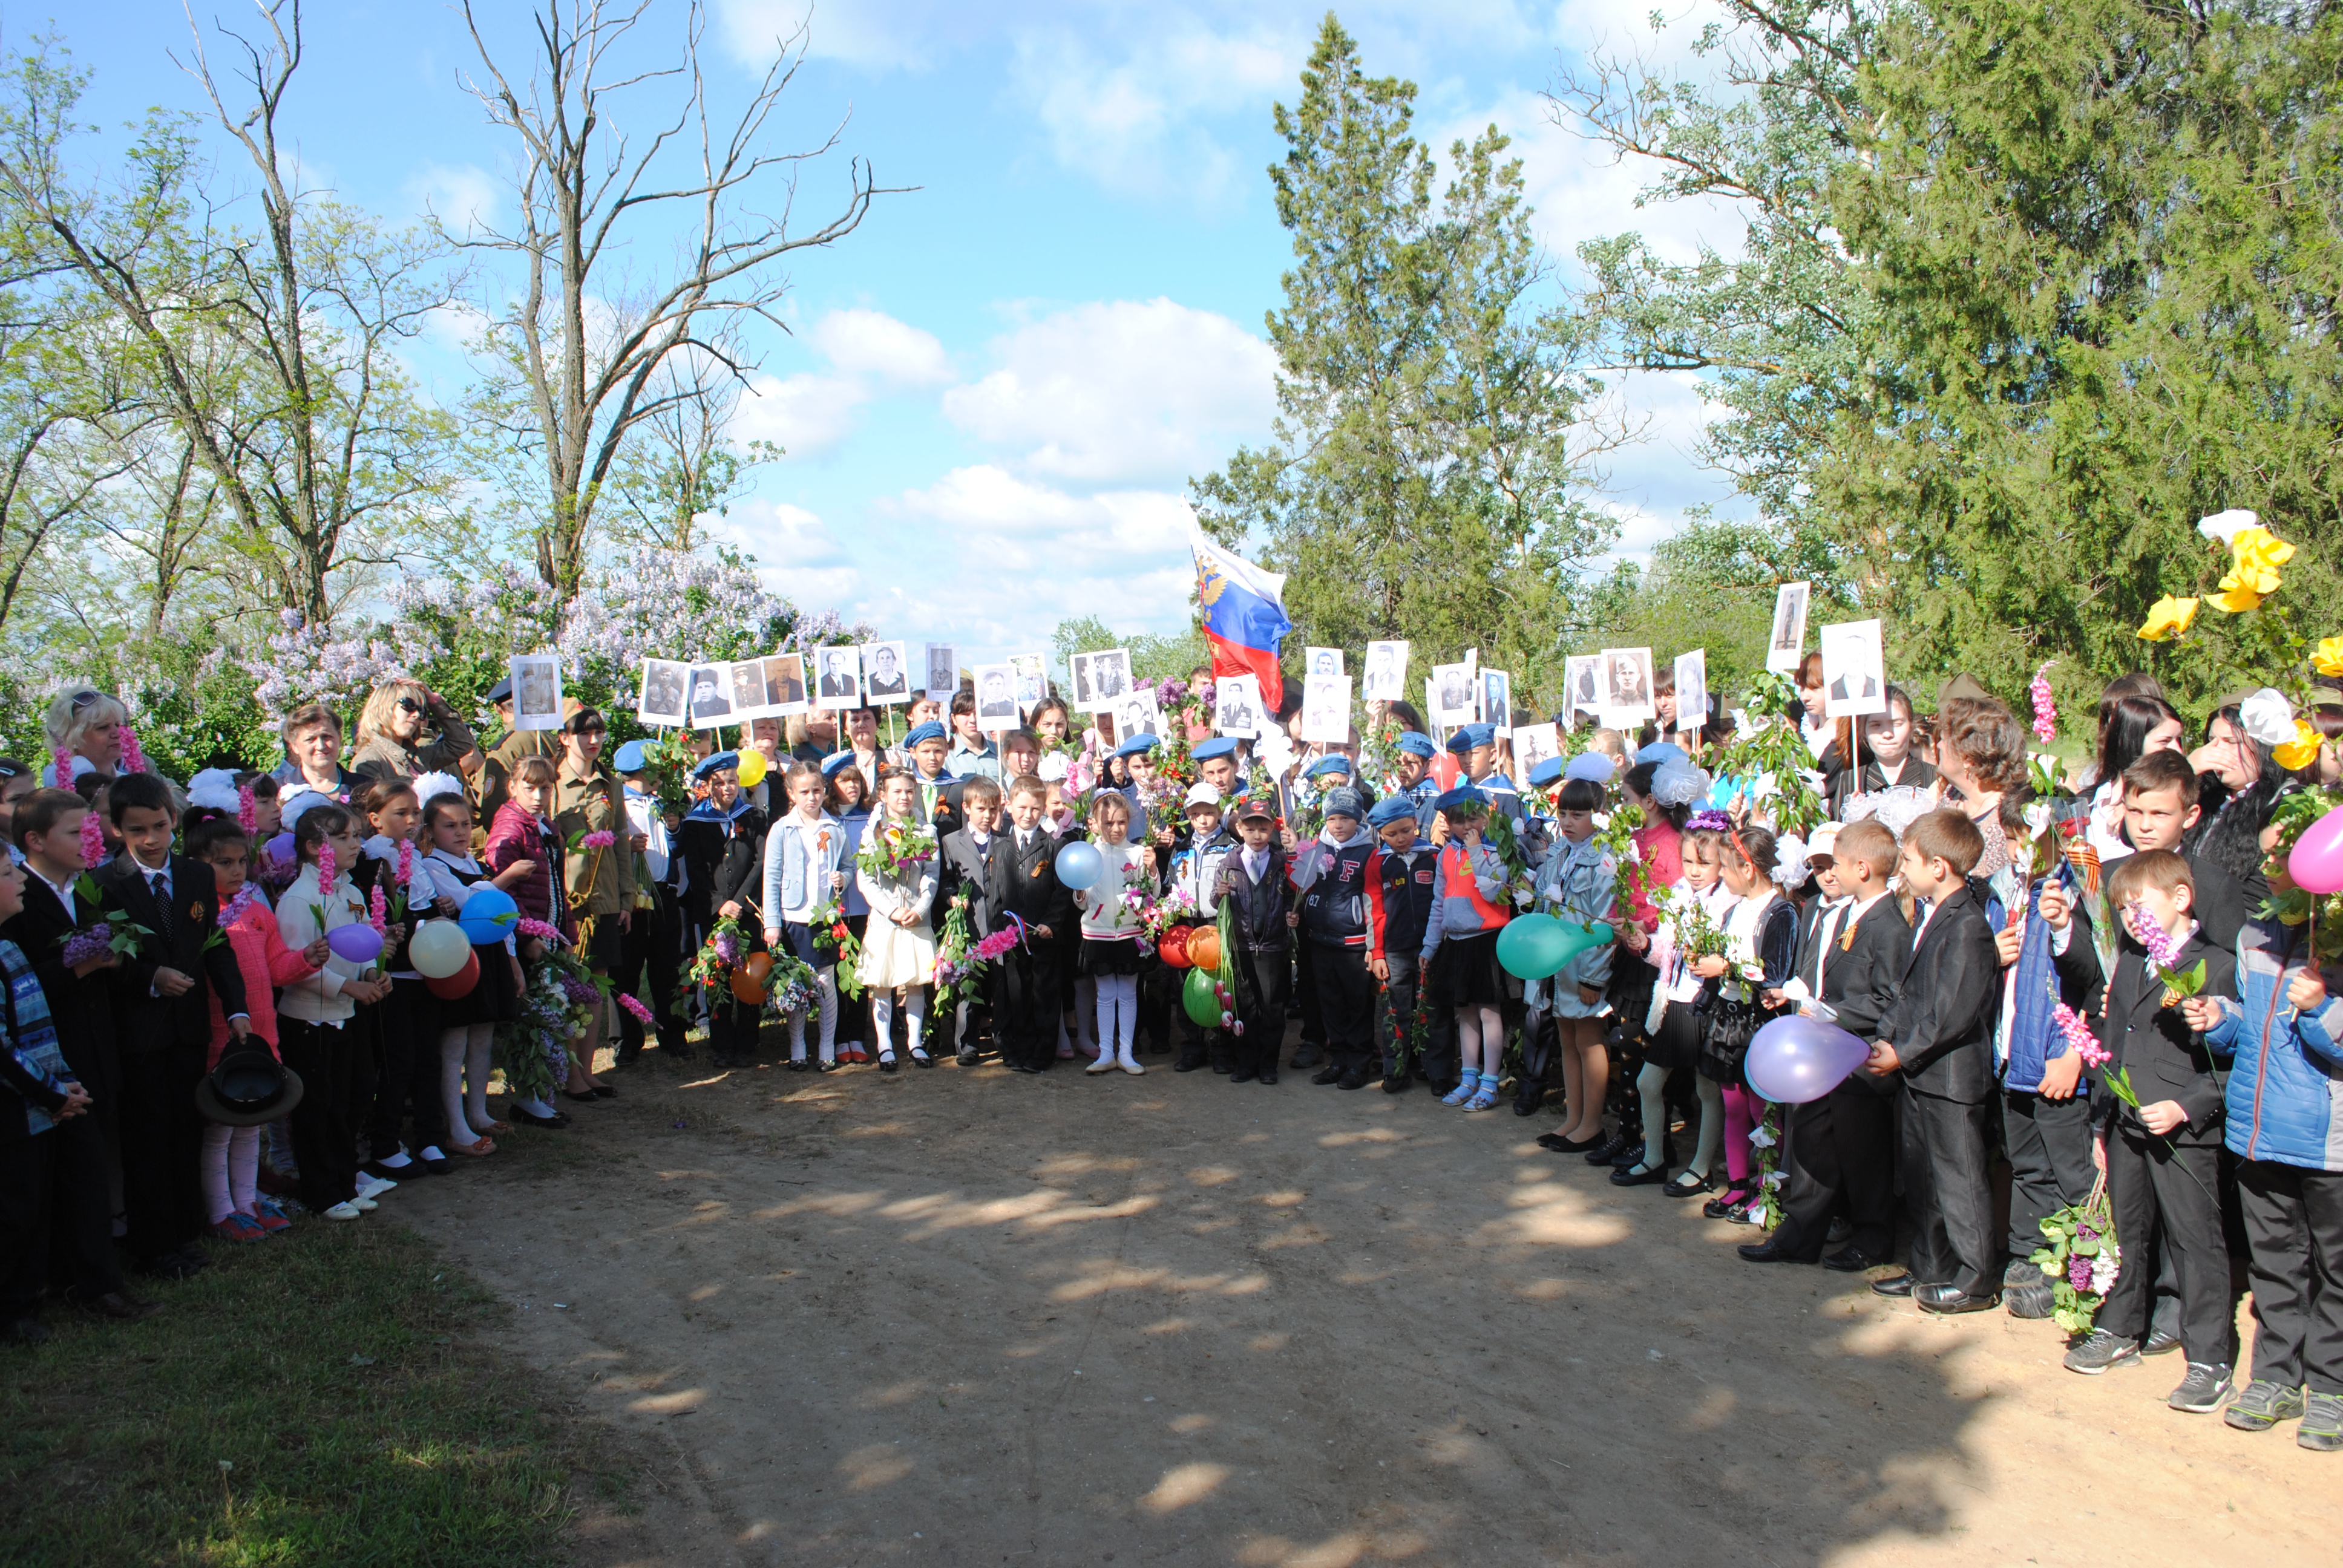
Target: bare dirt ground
(965,1317)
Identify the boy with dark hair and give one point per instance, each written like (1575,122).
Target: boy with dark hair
(722,842)
(1938,1037)
(1254,884)
(1330,887)
(1032,899)
(2163,1156)
(2160,811)
(1196,874)
(974,867)
(162,1013)
(1400,877)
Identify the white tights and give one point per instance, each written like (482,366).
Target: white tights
(1481,1040)
(826,998)
(915,1020)
(1118,1015)
(231,1171)
(464,1079)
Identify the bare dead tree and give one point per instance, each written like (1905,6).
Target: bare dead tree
(582,365)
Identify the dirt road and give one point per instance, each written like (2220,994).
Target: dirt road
(963,1317)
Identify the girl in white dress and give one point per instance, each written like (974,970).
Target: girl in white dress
(898,944)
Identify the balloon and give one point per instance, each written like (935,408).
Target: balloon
(281,847)
(489,915)
(359,944)
(1205,947)
(1796,1058)
(438,948)
(448,987)
(1196,996)
(1080,864)
(1532,947)
(2315,864)
(753,769)
(1174,946)
(749,978)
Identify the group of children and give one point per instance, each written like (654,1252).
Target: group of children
(2114,986)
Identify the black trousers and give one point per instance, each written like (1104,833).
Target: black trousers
(1395,1021)
(1950,1197)
(2294,1217)
(162,1136)
(1304,992)
(409,1020)
(1345,1004)
(1033,984)
(1261,996)
(54,1211)
(2050,1143)
(324,1145)
(2162,1194)
(651,951)
(1839,1151)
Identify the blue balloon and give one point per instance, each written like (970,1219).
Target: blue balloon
(1721,793)
(489,916)
(1080,864)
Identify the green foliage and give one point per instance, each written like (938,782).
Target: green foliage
(1153,657)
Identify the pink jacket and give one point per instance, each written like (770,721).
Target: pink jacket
(266,963)
(517,835)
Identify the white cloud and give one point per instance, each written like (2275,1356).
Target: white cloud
(869,343)
(797,554)
(463,196)
(1122,391)
(812,414)
(1653,483)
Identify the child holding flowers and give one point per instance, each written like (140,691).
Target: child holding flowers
(314,1015)
(467,1023)
(896,871)
(1761,942)
(1110,956)
(1460,938)
(805,859)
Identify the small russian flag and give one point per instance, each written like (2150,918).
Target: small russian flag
(1245,616)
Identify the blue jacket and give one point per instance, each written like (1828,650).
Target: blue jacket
(2284,1096)
(785,872)
(2035,1040)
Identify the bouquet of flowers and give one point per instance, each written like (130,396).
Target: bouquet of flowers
(728,942)
(833,936)
(2080,1259)
(90,942)
(893,850)
(124,935)
(1696,935)
(959,961)
(556,1005)
(599,841)
(1161,797)
(1157,916)
(791,985)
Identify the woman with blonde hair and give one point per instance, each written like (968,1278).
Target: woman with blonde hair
(85,725)
(391,726)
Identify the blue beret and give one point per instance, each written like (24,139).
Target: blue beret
(1471,735)
(1345,802)
(1662,751)
(1137,746)
(710,764)
(631,759)
(1546,772)
(1416,743)
(1594,766)
(922,733)
(834,761)
(1218,746)
(1391,808)
(1461,796)
(1337,763)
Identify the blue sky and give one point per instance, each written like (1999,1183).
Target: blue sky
(994,392)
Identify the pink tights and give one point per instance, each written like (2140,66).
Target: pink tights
(230,1170)
(1737,1123)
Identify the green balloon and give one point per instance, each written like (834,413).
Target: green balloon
(1577,939)
(1196,994)
(1532,947)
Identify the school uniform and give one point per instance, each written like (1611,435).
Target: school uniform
(406,1025)
(2048,1141)
(2162,1187)
(162,1043)
(1031,896)
(977,871)
(1253,884)
(1330,887)
(1840,1150)
(1399,906)
(724,854)
(1942,1028)
(650,948)
(53,1173)
(1196,873)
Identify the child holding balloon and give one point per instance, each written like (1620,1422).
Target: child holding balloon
(1111,957)
(467,1023)
(1577,885)
(1462,938)
(315,1036)
(391,865)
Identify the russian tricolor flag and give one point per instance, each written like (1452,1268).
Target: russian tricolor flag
(1245,616)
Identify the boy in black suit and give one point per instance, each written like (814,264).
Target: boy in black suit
(162,1017)
(1851,953)
(1027,1017)
(975,868)
(1939,1036)
(722,842)
(1255,890)
(2162,1159)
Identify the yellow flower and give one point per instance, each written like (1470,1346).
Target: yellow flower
(2259,547)
(2299,752)
(2168,617)
(2234,596)
(2328,657)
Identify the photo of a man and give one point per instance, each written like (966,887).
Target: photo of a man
(1583,681)
(785,681)
(1318,661)
(1854,679)
(1788,645)
(748,687)
(1454,695)
(840,677)
(709,706)
(665,682)
(1110,675)
(537,691)
(1085,691)
(996,698)
(943,671)
(1627,685)
(1236,706)
(1385,679)
(1692,690)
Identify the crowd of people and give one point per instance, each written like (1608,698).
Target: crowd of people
(239,1005)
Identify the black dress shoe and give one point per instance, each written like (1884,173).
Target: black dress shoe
(1528,1106)
(1357,1078)
(1329,1073)
(887,1063)
(1268,1075)
(167,1266)
(1628,1176)
(1242,1075)
(1848,1261)
(923,1059)
(1768,1251)
(1184,1065)
(515,1113)
(799,1064)
(119,1305)
(965,1058)
(1553,1141)
(388,1172)
(1943,1301)
(1022,1067)
(1894,1285)
(1577,1145)
(1618,1143)
(1397,1085)
(1305,1057)
(439,1167)
(584,1096)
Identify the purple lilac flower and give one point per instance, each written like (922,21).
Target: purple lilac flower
(2079,1271)
(2162,951)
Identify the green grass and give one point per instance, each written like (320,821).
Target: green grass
(318,1398)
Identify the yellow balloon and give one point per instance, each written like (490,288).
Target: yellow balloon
(753,769)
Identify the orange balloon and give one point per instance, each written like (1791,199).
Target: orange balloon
(749,976)
(1174,946)
(1205,947)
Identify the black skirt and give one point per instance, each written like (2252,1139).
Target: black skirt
(1466,970)
(1120,956)
(496,999)
(1676,1042)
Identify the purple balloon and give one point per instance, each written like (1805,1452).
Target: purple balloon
(359,944)
(1797,1058)
(281,849)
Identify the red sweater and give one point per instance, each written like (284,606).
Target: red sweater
(516,834)
(1662,850)
(266,963)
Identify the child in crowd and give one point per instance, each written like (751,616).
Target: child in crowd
(974,867)
(1259,896)
(721,843)
(1110,956)
(1400,893)
(1035,904)
(1577,885)
(1330,885)
(805,868)
(898,877)
(526,862)
(1460,938)
(316,1015)
(849,801)
(1760,932)
(1195,879)
(467,1023)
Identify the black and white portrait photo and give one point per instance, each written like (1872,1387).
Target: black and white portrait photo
(1455,695)
(1497,701)
(747,678)
(885,677)
(537,691)
(710,706)
(1085,695)
(785,688)
(1032,678)
(1317,661)
(1855,679)
(1109,676)
(1532,744)
(943,671)
(1136,713)
(1326,709)
(1236,706)
(1692,690)
(1788,643)
(838,678)
(1627,686)
(1583,684)
(1385,678)
(996,698)
(667,683)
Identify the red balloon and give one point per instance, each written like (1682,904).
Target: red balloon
(1174,946)
(748,980)
(447,988)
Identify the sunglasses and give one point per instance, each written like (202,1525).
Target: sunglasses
(408,705)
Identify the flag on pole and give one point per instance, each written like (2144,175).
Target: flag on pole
(1245,616)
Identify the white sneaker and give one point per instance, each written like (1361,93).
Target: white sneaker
(1131,1065)
(340,1212)
(1105,1063)
(373,1186)
(364,1204)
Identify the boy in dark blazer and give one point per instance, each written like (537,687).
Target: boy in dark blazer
(1938,1038)
(1255,890)
(162,1016)
(722,842)
(1841,1148)
(974,867)
(1026,1019)
(2162,1159)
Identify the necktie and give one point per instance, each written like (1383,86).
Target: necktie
(159,886)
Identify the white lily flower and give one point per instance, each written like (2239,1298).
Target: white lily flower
(2226,525)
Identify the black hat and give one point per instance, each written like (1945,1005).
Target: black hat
(502,690)
(247,1088)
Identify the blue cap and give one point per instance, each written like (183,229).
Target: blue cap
(1471,735)
(1662,751)
(922,733)
(1546,772)
(1594,766)
(1345,802)
(834,761)
(1337,763)
(1218,746)
(1391,808)
(710,764)
(1463,795)
(1416,743)
(1137,746)
(632,757)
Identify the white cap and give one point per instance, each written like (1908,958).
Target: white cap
(1825,837)
(1203,795)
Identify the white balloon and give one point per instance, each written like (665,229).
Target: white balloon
(438,948)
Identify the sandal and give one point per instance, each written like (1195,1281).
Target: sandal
(479,1146)
(1484,1099)
(1689,1184)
